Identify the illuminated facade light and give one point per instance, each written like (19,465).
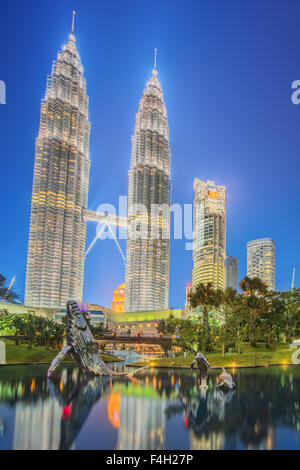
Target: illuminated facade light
(117,305)
(209,234)
(261,260)
(188,291)
(55,260)
(147,269)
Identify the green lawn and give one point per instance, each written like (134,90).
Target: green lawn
(23,354)
(250,356)
(277,354)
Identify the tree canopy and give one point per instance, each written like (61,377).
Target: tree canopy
(7,293)
(255,314)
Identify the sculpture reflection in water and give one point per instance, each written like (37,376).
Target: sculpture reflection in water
(246,418)
(138,428)
(140,420)
(203,410)
(77,402)
(164,409)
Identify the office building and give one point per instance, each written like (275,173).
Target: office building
(261,260)
(209,229)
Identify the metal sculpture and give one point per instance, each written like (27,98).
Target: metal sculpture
(82,345)
(202,363)
(203,366)
(225,381)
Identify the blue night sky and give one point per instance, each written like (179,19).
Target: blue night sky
(226,69)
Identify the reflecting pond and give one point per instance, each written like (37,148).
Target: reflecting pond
(159,409)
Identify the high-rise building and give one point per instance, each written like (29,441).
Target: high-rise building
(117,305)
(261,260)
(209,239)
(188,291)
(147,269)
(55,260)
(231,264)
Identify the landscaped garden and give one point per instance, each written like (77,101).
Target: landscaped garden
(254,327)
(23,353)
(249,356)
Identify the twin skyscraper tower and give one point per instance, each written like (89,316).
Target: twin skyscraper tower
(57,237)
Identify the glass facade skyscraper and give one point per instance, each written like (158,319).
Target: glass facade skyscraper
(55,260)
(209,234)
(261,260)
(231,264)
(147,269)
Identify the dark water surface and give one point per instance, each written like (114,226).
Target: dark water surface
(160,409)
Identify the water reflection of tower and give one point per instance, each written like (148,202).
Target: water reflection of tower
(271,439)
(268,442)
(37,425)
(210,408)
(142,423)
(213,441)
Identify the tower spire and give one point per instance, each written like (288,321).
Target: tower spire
(154,71)
(73,22)
(71,35)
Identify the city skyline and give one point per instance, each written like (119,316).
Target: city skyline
(245,208)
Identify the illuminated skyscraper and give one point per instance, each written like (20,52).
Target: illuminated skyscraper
(188,291)
(209,226)
(117,305)
(261,260)
(55,260)
(231,264)
(147,270)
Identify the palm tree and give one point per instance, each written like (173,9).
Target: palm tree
(30,330)
(253,285)
(98,331)
(6,292)
(208,298)
(19,325)
(59,334)
(226,329)
(255,291)
(229,295)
